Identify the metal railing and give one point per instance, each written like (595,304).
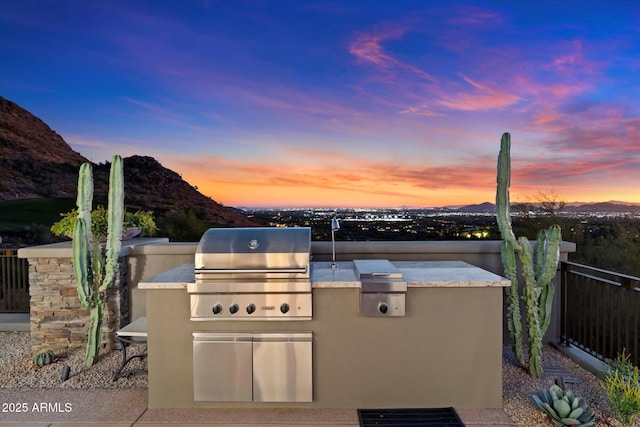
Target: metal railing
(14,282)
(600,311)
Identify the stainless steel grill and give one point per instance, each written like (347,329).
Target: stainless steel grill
(252,273)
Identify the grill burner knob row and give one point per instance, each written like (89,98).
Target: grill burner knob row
(284,308)
(234,308)
(251,308)
(216,309)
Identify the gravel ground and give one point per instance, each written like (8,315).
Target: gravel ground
(518,387)
(17,371)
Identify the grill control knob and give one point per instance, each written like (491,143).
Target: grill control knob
(251,308)
(216,309)
(284,308)
(234,308)
(383,308)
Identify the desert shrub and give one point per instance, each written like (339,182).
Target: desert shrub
(622,387)
(139,219)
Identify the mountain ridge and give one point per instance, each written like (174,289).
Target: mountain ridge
(38,163)
(574,207)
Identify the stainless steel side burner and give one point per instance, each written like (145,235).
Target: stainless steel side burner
(256,273)
(382,288)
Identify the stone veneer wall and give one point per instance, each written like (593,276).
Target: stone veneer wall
(58,320)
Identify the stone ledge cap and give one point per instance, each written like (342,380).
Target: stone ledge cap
(64,250)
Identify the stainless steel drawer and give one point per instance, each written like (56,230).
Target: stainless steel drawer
(282,367)
(222,366)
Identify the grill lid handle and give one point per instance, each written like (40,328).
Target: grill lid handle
(250,270)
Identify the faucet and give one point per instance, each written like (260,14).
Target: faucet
(335,226)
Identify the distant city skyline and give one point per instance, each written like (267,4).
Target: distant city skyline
(569,206)
(358,103)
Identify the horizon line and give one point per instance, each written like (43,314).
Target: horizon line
(575,203)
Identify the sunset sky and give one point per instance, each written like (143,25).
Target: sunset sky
(361,103)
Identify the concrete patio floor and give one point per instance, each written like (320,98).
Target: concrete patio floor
(62,407)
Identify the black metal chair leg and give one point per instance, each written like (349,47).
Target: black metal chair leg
(125,360)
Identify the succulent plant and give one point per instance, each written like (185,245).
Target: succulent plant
(44,358)
(564,407)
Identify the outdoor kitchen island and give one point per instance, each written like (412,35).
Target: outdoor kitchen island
(444,350)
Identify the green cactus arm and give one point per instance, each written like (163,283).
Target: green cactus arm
(549,254)
(115,215)
(547,290)
(509,247)
(508,257)
(502,192)
(97,265)
(546,306)
(84,199)
(532,296)
(82,262)
(539,252)
(514,320)
(94,334)
(526,258)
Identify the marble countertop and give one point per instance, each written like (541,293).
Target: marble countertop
(417,274)
(176,278)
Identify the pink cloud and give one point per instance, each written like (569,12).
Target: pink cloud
(484,98)
(573,61)
(546,117)
(420,110)
(586,170)
(367,48)
(410,85)
(475,16)
(280,97)
(607,131)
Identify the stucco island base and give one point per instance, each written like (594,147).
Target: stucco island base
(446,351)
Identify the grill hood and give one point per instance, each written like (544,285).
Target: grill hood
(253,253)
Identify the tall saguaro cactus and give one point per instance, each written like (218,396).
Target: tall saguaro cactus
(95,269)
(538,268)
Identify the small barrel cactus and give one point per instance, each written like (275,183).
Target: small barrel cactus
(44,358)
(564,407)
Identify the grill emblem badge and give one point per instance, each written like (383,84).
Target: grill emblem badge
(253,244)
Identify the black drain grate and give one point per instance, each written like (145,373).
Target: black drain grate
(555,372)
(430,417)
